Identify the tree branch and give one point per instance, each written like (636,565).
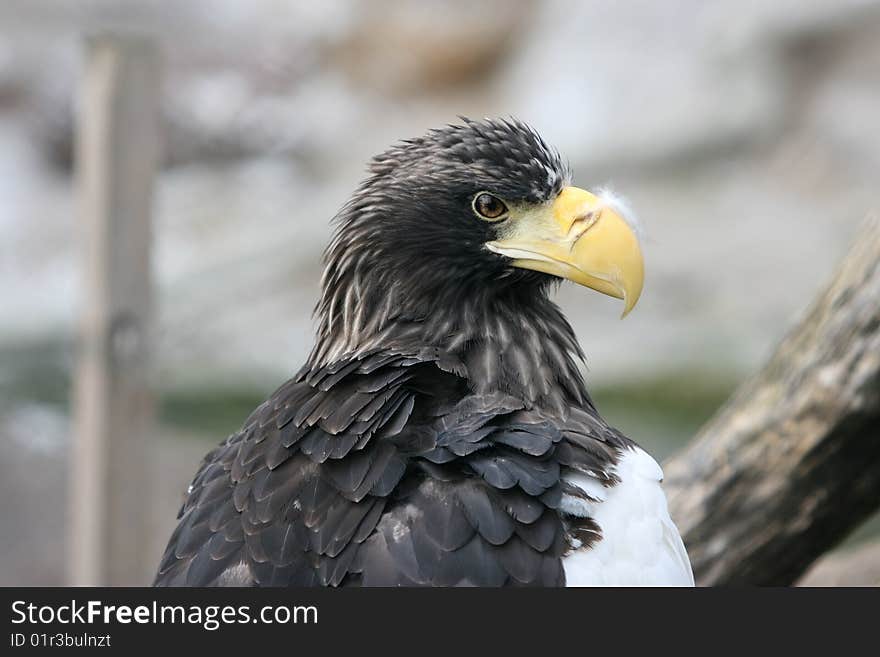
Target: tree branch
(791,463)
(859,566)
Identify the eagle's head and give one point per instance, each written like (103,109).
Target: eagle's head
(468,220)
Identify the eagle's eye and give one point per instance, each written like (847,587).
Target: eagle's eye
(489,207)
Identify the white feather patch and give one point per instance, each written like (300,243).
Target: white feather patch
(640,545)
(621,206)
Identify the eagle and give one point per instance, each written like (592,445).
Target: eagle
(441,432)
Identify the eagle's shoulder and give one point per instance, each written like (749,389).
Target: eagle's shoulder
(285,500)
(640,545)
(388,469)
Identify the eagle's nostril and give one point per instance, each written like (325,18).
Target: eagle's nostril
(582,224)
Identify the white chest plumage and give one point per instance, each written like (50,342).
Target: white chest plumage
(640,545)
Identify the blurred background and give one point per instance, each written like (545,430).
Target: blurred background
(744,135)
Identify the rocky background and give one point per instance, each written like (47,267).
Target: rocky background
(745,135)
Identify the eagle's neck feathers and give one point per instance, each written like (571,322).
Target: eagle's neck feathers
(510,339)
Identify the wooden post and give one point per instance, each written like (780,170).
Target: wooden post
(114,408)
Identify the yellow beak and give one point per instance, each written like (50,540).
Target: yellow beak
(580,238)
